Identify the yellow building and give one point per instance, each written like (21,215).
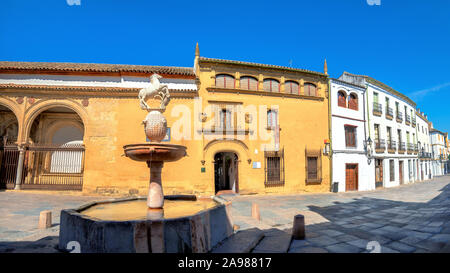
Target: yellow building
(248,128)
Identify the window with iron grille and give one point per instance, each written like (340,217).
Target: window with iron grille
(313,166)
(350,136)
(274,168)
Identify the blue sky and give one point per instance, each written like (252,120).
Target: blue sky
(404,44)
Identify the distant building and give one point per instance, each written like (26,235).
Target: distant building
(425,151)
(438,141)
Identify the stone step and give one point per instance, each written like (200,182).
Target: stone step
(274,241)
(241,242)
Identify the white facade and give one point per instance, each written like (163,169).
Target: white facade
(394,136)
(439,151)
(349,155)
(425,153)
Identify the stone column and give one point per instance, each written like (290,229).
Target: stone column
(20,167)
(155,199)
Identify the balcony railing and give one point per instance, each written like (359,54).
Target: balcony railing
(424,155)
(407,119)
(414,122)
(410,148)
(399,117)
(380,145)
(401,147)
(391,146)
(416,148)
(377,109)
(389,113)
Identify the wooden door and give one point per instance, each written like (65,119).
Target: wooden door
(378,173)
(351,177)
(400,170)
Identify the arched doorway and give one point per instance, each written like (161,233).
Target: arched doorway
(226,175)
(55,154)
(9,153)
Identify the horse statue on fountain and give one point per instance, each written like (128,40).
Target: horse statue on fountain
(155,90)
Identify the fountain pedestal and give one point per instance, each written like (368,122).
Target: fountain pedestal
(155,199)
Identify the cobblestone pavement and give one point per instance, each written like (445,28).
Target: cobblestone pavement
(409,218)
(405,219)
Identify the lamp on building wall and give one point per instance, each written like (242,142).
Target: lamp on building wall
(368,146)
(326,149)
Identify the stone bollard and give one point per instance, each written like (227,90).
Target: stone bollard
(45,219)
(255,212)
(298,231)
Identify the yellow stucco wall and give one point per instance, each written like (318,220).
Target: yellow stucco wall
(110,122)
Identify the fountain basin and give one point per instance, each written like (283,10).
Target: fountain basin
(155,152)
(188,226)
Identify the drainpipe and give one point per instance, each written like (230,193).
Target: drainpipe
(330,134)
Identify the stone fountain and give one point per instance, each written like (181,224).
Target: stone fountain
(183,223)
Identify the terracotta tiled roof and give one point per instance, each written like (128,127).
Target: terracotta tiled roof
(80,88)
(91,67)
(212,60)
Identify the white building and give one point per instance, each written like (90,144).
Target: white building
(439,151)
(351,168)
(423,140)
(391,125)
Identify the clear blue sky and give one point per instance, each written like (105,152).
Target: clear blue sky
(405,44)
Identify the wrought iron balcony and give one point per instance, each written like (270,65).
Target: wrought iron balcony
(380,145)
(414,122)
(377,109)
(401,147)
(399,117)
(389,113)
(416,148)
(407,119)
(424,155)
(410,148)
(391,146)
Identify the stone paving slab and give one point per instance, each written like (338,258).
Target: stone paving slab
(410,218)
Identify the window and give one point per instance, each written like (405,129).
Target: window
(225,119)
(377,132)
(313,166)
(350,136)
(375,97)
(274,168)
(353,101)
(248,83)
(391,170)
(271,85)
(342,99)
(225,81)
(291,87)
(310,89)
(272,119)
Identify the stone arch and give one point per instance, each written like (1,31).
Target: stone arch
(226,145)
(35,110)
(13,107)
